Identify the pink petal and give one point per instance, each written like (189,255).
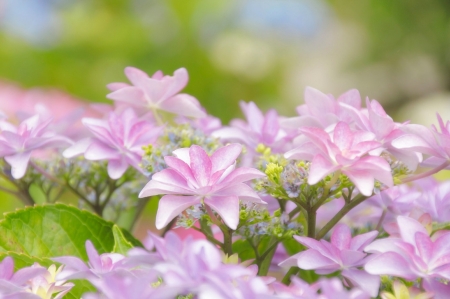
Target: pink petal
(116,168)
(94,258)
(318,102)
(240,175)
(100,151)
(317,136)
(439,290)
(183,154)
(23,275)
(413,142)
(408,228)
(363,180)
(361,241)
(351,97)
(225,156)
(352,258)
(155,188)
(116,86)
(227,207)
(271,127)
(320,167)
(170,206)
(365,281)
(342,136)
(200,165)
(390,263)
(381,123)
(6,268)
(243,191)
(181,168)
(313,260)
(136,76)
(130,95)
(78,148)
(19,164)
(253,115)
(231,134)
(183,104)
(424,245)
(341,236)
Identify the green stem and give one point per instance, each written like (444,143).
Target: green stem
(345,209)
(266,259)
(227,240)
(209,237)
(287,278)
(311,213)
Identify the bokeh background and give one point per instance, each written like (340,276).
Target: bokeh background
(265,51)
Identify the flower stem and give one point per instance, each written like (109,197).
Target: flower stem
(345,209)
(426,173)
(287,278)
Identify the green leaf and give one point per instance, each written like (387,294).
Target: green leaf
(243,249)
(121,245)
(22,261)
(57,230)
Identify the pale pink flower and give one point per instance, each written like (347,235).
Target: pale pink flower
(436,144)
(413,255)
(321,110)
(343,150)
(119,139)
(17,144)
(342,253)
(158,92)
(258,129)
(194,177)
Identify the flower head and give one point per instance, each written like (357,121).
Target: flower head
(119,139)
(158,92)
(18,143)
(194,177)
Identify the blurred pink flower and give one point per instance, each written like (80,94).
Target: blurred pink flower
(413,255)
(343,253)
(259,129)
(17,144)
(119,139)
(194,177)
(343,150)
(158,92)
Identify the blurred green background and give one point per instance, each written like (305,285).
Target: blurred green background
(266,51)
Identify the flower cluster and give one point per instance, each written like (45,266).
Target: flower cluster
(336,202)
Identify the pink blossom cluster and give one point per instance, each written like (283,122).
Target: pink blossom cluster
(358,182)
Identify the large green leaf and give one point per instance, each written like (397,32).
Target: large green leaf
(57,230)
(22,260)
(121,244)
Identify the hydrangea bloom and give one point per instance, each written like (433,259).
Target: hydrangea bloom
(194,177)
(119,139)
(259,129)
(99,265)
(413,255)
(343,253)
(18,143)
(158,92)
(431,142)
(343,150)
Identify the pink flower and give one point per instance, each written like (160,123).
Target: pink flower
(321,110)
(259,128)
(17,144)
(431,142)
(343,150)
(343,253)
(118,140)
(156,93)
(194,177)
(98,266)
(413,255)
